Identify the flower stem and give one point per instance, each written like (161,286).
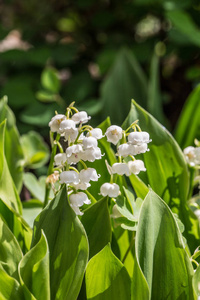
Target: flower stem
(129,248)
(50,170)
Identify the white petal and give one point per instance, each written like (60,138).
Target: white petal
(69,177)
(89,142)
(120,168)
(54,124)
(109,189)
(96,133)
(60,159)
(136,166)
(114,134)
(81,117)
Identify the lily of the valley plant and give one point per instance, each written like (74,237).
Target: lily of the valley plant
(116,217)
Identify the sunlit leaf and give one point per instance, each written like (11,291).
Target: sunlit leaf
(160,252)
(10,288)
(8,192)
(50,80)
(112,282)
(12,147)
(68,246)
(10,252)
(167,172)
(34,270)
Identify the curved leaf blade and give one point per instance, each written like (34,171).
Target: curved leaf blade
(34,270)
(112,282)
(160,252)
(68,246)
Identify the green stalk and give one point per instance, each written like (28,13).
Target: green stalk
(50,170)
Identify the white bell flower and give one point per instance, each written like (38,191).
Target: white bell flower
(142,148)
(74,153)
(69,177)
(91,154)
(67,125)
(138,138)
(81,185)
(68,129)
(89,142)
(88,174)
(114,134)
(135,166)
(96,133)
(110,190)
(54,124)
(81,117)
(192,155)
(120,168)
(77,200)
(60,159)
(124,150)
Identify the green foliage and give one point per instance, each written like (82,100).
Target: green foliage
(68,256)
(112,282)
(141,250)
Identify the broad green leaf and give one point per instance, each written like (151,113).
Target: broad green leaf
(45,96)
(188,124)
(154,103)
(10,288)
(35,150)
(8,190)
(196,281)
(12,147)
(50,80)
(160,252)
(139,288)
(167,172)
(17,225)
(185,25)
(125,81)
(10,252)
(68,246)
(107,278)
(34,270)
(96,221)
(139,186)
(125,241)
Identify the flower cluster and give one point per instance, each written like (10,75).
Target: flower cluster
(133,143)
(192,155)
(82,146)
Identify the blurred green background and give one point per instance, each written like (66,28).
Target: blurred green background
(100,54)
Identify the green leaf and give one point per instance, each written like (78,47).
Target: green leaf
(188,127)
(35,150)
(185,25)
(17,225)
(8,190)
(12,147)
(45,96)
(154,103)
(196,280)
(35,186)
(68,246)
(160,252)
(10,252)
(112,282)
(96,221)
(125,81)
(10,288)
(34,270)
(167,172)
(50,80)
